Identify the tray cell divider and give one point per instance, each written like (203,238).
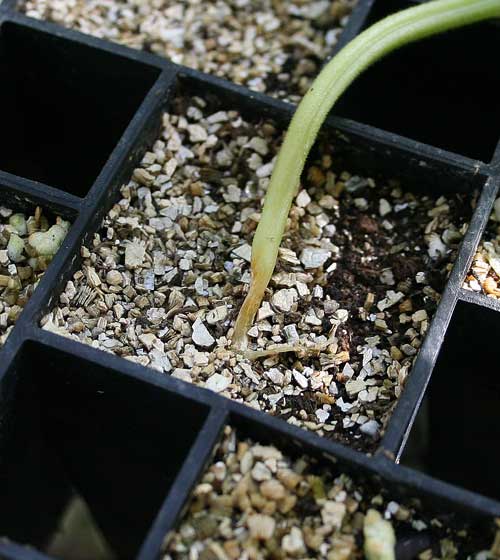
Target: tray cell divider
(42,195)
(423,153)
(479,299)
(177,500)
(253,100)
(442,493)
(474,233)
(495,162)
(13,551)
(130,148)
(195,393)
(422,156)
(101,197)
(405,412)
(59,30)
(198,394)
(300,436)
(126,367)
(9,352)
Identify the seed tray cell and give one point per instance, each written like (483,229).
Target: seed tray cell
(56,95)
(73,427)
(132,443)
(458,446)
(107,256)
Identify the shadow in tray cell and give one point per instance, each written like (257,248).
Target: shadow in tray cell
(63,106)
(77,430)
(442,91)
(456,433)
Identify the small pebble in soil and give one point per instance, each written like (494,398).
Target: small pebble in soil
(272,47)
(353,292)
(301,509)
(28,243)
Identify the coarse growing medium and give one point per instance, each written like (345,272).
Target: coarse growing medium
(27,245)
(255,502)
(269,46)
(357,282)
(484,274)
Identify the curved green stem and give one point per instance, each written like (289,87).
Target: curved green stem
(380,39)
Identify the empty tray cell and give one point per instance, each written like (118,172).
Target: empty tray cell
(64,105)
(440,91)
(358,278)
(257,501)
(272,47)
(484,274)
(456,434)
(29,239)
(87,454)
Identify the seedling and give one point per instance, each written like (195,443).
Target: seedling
(377,41)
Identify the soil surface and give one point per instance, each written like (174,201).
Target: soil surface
(24,257)
(358,279)
(484,274)
(272,47)
(256,502)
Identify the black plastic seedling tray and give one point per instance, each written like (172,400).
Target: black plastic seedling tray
(77,114)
